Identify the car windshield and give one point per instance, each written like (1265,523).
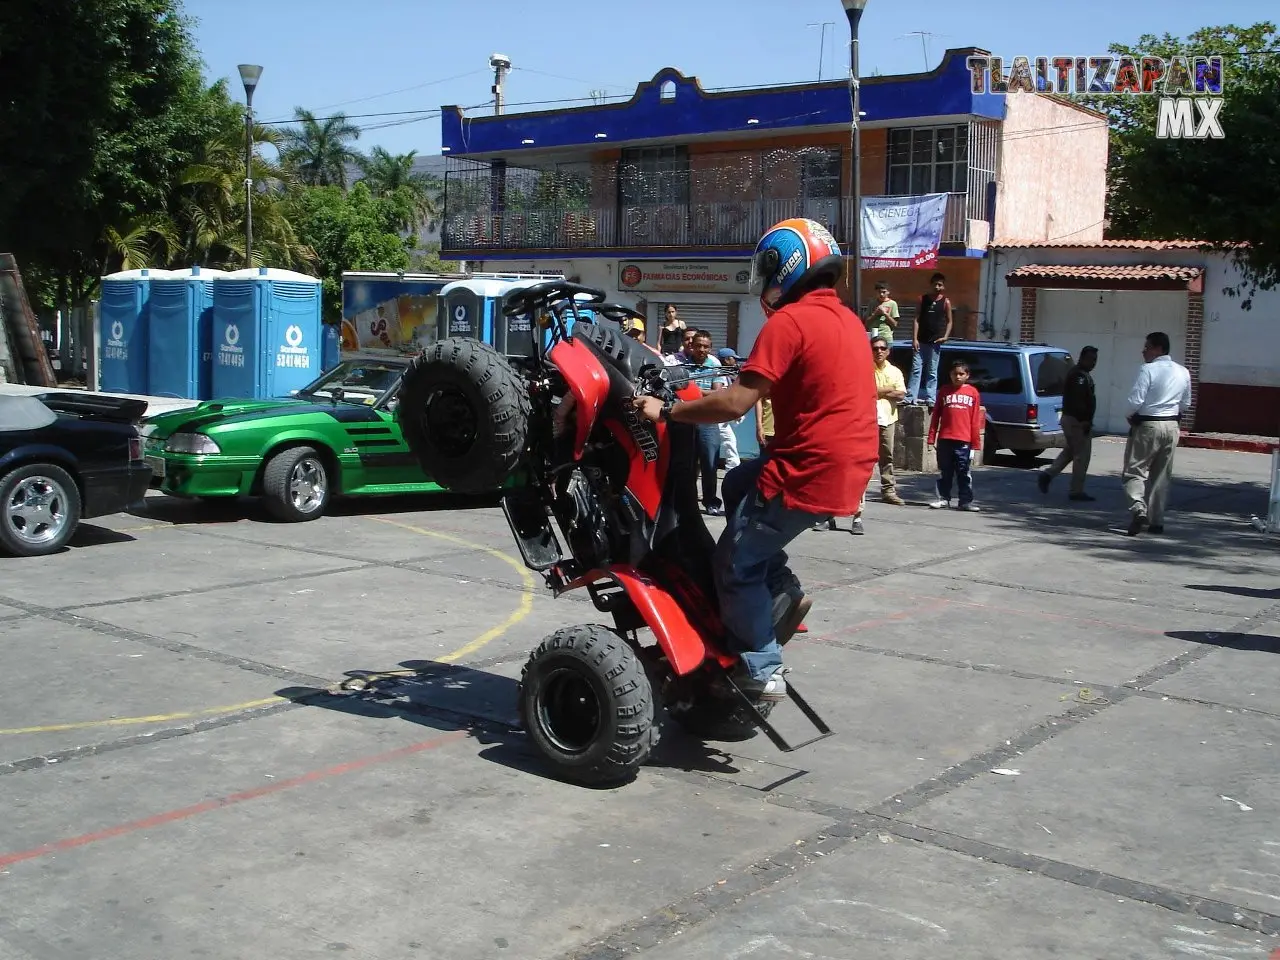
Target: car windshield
(1049,372)
(361,381)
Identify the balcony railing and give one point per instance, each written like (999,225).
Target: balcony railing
(660,225)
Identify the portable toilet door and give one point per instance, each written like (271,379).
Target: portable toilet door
(236,338)
(460,311)
(294,346)
(124,329)
(514,336)
(180,355)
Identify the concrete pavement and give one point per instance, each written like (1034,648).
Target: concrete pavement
(185,776)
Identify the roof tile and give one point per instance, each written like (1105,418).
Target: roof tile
(1156,271)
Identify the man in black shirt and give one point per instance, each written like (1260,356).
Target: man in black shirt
(929,331)
(1079,403)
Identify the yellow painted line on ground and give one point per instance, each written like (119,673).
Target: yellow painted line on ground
(522,611)
(526,594)
(155,718)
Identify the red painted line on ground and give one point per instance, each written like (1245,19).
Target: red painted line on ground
(183,813)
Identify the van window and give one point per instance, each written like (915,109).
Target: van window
(998,373)
(1049,372)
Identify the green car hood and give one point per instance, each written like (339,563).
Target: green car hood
(219,412)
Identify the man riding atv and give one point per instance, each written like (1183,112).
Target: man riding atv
(812,359)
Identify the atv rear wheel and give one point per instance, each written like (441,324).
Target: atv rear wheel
(587,705)
(464,413)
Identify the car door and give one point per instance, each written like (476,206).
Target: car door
(385,457)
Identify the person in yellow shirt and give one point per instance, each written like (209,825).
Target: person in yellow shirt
(891,388)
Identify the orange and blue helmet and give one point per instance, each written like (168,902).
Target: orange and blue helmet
(792,258)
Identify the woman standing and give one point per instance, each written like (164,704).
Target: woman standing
(671,338)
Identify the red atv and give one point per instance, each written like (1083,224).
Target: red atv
(622,493)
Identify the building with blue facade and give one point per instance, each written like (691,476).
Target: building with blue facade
(661,198)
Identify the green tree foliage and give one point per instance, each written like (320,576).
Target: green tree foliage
(104,103)
(392,175)
(348,231)
(318,150)
(1225,192)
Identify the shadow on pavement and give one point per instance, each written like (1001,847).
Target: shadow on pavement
(168,509)
(446,696)
(1229,641)
(1257,593)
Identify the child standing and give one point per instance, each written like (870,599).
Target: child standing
(883,318)
(955,429)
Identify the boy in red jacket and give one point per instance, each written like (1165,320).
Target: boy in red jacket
(956,431)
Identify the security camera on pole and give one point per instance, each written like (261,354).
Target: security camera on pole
(853,10)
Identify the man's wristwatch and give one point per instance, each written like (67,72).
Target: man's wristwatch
(665,414)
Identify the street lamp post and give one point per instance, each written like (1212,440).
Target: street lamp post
(249,74)
(853,10)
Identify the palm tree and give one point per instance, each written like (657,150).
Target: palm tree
(209,208)
(392,175)
(318,150)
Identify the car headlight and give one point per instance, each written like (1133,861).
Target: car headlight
(191,443)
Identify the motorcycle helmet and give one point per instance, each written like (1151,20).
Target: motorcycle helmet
(792,258)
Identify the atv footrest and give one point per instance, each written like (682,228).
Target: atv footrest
(771,732)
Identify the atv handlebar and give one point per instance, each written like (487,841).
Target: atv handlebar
(542,295)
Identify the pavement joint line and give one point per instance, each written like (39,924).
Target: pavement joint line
(1206,908)
(197,591)
(44,761)
(1054,591)
(1197,702)
(172,646)
(406,565)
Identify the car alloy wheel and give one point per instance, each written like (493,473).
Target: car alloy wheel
(36,511)
(308,485)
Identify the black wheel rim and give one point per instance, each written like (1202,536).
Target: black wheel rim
(569,710)
(450,422)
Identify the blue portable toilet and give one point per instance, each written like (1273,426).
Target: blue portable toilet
(124,315)
(266,333)
(331,347)
(180,355)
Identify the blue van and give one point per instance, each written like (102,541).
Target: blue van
(1021,386)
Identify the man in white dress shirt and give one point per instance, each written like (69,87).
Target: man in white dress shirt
(1159,398)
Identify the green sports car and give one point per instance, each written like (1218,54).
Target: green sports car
(337,436)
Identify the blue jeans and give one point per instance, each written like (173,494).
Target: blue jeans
(751,565)
(709,440)
(924,361)
(954,462)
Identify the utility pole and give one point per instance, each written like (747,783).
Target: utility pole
(501,67)
(853,10)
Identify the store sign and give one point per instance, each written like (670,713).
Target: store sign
(683,276)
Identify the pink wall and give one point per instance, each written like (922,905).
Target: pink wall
(1052,173)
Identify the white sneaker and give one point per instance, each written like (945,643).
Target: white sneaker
(939,504)
(969,507)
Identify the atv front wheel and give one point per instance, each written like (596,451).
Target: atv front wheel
(587,705)
(464,413)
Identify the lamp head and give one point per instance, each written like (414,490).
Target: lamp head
(249,74)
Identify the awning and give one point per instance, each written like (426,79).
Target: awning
(1156,276)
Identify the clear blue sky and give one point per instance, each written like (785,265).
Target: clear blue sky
(386,56)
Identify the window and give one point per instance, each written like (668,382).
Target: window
(929,160)
(654,176)
(998,373)
(1049,373)
(820,174)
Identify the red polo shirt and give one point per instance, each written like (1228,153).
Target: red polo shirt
(818,358)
